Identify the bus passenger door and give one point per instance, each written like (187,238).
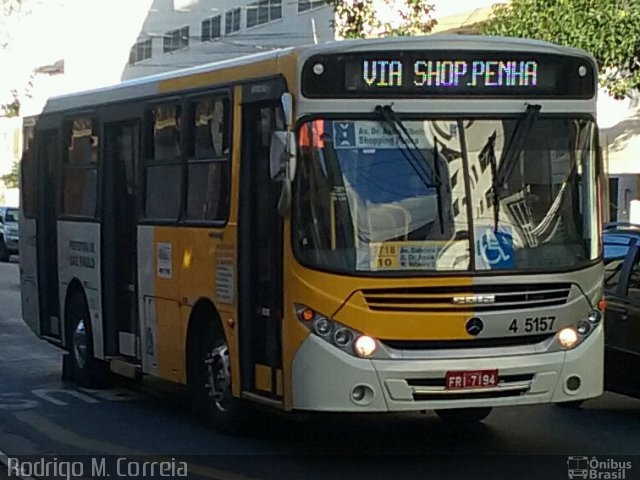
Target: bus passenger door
(119,244)
(260,254)
(48,154)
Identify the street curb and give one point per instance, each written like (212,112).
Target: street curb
(4,460)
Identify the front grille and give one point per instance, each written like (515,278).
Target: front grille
(440,382)
(471,343)
(441,299)
(425,389)
(468,395)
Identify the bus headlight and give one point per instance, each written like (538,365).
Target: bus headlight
(568,337)
(583,327)
(594,317)
(364,346)
(322,327)
(345,338)
(571,337)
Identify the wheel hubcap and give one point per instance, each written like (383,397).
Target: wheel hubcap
(218,377)
(80,344)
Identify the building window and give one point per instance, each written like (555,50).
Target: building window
(263,11)
(140,51)
(456,208)
(304,5)
(232,21)
(80,175)
(484,159)
(175,40)
(489,197)
(163,165)
(454,180)
(474,170)
(211,28)
(208,166)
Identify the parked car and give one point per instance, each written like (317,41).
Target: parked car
(9,234)
(622,318)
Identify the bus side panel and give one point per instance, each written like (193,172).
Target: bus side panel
(29,274)
(163,330)
(78,258)
(207,271)
(180,266)
(146,299)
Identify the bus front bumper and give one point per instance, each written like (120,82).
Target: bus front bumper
(327,379)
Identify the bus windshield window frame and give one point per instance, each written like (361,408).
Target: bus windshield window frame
(584,127)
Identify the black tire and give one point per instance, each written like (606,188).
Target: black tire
(464,416)
(4,252)
(210,384)
(571,404)
(86,370)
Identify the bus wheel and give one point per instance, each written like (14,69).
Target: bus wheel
(86,370)
(211,385)
(4,252)
(464,415)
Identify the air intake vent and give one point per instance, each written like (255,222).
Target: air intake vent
(471,343)
(477,298)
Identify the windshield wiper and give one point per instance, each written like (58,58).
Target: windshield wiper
(420,163)
(516,144)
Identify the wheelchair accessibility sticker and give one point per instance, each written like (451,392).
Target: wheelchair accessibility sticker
(494,249)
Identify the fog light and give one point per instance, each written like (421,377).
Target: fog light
(342,337)
(364,346)
(358,393)
(567,337)
(583,327)
(573,383)
(362,395)
(323,327)
(595,316)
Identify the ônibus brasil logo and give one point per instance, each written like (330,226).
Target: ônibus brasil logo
(593,468)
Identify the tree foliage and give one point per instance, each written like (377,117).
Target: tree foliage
(361,18)
(12,179)
(8,9)
(608,29)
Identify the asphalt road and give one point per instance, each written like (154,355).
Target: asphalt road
(41,415)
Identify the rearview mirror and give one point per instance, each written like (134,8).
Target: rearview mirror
(287,108)
(282,155)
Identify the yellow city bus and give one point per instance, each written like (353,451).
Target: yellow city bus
(401,224)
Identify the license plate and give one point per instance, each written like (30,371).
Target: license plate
(471,379)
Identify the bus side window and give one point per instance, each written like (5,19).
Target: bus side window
(163,163)
(208,164)
(80,172)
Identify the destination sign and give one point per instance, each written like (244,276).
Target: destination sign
(447,74)
(450,73)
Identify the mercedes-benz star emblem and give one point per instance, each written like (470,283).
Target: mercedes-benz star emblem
(474,326)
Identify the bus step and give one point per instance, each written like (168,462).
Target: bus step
(123,368)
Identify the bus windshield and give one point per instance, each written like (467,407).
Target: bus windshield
(446,195)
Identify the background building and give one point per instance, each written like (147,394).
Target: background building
(183,33)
